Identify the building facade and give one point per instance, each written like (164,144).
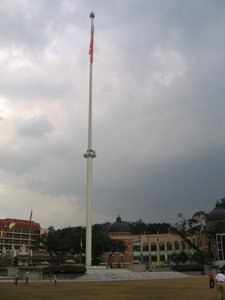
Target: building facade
(118,231)
(157,249)
(149,249)
(18,236)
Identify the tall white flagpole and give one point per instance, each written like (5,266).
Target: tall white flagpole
(90,154)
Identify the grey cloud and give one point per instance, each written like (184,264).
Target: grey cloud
(15,161)
(24,23)
(156,193)
(37,126)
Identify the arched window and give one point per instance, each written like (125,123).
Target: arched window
(176,245)
(153,247)
(161,246)
(137,247)
(145,247)
(183,245)
(169,246)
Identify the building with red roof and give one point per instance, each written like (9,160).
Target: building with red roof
(17,235)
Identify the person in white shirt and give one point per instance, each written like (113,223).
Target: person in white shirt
(220,279)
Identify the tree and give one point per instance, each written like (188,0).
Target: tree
(61,242)
(101,242)
(71,240)
(115,246)
(180,257)
(48,242)
(196,225)
(139,227)
(185,229)
(5,261)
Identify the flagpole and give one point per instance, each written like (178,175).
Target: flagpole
(90,154)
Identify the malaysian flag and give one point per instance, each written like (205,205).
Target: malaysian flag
(91,49)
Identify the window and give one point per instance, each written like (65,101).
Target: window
(145,258)
(145,247)
(154,258)
(136,258)
(169,257)
(137,247)
(169,246)
(162,257)
(153,247)
(176,245)
(183,245)
(161,246)
(220,239)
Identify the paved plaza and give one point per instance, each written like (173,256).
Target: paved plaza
(125,274)
(102,274)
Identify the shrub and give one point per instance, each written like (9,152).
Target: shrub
(3,272)
(66,269)
(189,267)
(5,262)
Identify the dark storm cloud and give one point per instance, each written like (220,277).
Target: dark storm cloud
(158,193)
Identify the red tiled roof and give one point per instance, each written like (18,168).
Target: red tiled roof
(20,223)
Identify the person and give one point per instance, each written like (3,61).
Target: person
(220,278)
(16,279)
(50,276)
(26,278)
(55,279)
(211,279)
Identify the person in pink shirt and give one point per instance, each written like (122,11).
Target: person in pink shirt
(211,279)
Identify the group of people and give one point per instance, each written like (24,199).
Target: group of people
(219,283)
(26,282)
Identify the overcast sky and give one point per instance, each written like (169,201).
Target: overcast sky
(158,109)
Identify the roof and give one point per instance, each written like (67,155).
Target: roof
(119,227)
(20,223)
(218,213)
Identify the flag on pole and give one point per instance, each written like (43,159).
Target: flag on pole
(11,225)
(91,49)
(31,213)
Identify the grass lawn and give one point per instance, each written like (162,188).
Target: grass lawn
(172,289)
